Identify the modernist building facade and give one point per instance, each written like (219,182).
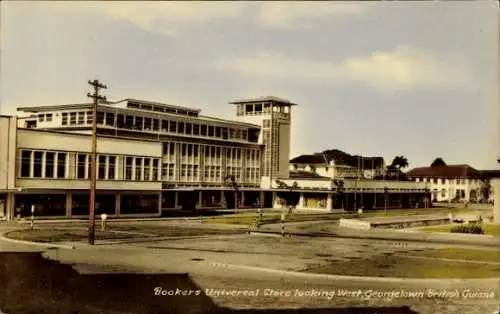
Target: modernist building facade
(154,157)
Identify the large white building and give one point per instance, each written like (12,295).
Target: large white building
(155,157)
(451,183)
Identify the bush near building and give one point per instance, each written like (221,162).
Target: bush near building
(473,228)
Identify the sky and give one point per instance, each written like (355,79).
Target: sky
(418,79)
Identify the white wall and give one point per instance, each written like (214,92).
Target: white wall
(33,139)
(8,127)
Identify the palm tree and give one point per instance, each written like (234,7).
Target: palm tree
(400,162)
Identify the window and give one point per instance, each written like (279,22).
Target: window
(138,169)
(173,126)
(180,128)
(203,130)
(41,117)
(80,166)
(184,149)
(48,117)
(164,125)
(195,172)
(138,123)
(102,168)
(120,120)
(37,165)
(49,164)
(147,164)
(244,135)
(195,150)
(72,118)
(100,117)
(155,124)
(90,117)
(196,129)
(171,148)
(111,167)
(110,119)
(147,124)
(225,133)
(443,181)
(64,118)
(217,131)
(164,171)
(189,128)
(211,131)
(128,168)
(435,180)
(25,163)
(61,165)
(129,122)
(155,169)
(81,117)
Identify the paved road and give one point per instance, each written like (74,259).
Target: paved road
(240,262)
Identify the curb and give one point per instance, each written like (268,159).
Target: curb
(3,237)
(353,278)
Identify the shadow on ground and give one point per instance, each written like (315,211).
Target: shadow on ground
(30,283)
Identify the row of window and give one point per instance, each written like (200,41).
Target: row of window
(45,117)
(142,169)
(258,108)
(43,164)
(445,181)
(134,122)
(106,167)
(46,164)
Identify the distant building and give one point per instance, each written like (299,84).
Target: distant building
(451,183)
(336,164)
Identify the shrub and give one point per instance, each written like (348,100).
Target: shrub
(468,228)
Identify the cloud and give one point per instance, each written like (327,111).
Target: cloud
(402,69)
(155,16)
(292,15)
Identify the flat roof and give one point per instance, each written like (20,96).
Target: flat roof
(264,99)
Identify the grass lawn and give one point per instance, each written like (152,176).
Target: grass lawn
(61,235)
(275,216)
(74,235)
(489,229)
(406,267)
(459,253)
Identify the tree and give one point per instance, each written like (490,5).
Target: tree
(291,198)
(231,182)
(486,189)
(438,162)
(400,162)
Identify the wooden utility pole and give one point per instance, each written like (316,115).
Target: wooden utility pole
(96,98)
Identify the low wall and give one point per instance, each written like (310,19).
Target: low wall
(354,224)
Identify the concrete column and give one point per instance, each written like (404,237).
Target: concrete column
(69,204)
(495,183)
(301,201)
(329,201)
(200,197)
(261,199)
(176,202)
(117,205)
(242,199)
(275,199)
(10,206)
(159,201)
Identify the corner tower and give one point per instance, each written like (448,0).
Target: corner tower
(273,114)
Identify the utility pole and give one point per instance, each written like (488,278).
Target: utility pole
(96,98)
